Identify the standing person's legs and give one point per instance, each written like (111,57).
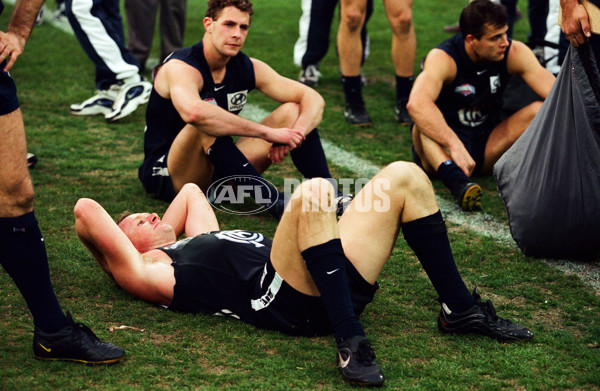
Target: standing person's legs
(350,53)
(96,25)
(141,19)
(314,29)
(21,242)
(404,48)
(172,26)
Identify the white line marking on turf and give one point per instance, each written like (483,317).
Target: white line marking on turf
(481,223)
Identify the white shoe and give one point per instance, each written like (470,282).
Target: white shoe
(132,95)
(101,103)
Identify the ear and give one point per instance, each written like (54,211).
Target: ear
(470,38)
(207,23)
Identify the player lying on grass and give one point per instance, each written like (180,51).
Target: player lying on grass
(314,278)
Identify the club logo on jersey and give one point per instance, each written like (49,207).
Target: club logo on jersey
(179,244)
(237,100)
(229,194)
(494,83)
(465,89)
(471,116)
(239,236)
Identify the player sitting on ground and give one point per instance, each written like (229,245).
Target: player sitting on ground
(456,102)
(314,278)
(192,114)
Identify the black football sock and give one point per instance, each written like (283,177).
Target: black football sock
(353,90)
(24,259)
(452,176)
(228,160)
(428,238)
(326,263)
(403,87)
(309,158)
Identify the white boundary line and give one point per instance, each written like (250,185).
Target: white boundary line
(481,223)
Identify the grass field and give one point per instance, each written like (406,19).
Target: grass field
(86,157)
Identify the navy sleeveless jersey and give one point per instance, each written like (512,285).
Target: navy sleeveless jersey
(163,122)
(473,100)
(219,272)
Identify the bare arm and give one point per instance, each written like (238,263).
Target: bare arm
(284,90)
(181,83)
(105,240)
(12,42)
(438,70)
(139,275)
(575,22)
(190,212)
(522,61)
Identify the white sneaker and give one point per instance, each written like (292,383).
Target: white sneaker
(101,103)
(310,75)
(132,95)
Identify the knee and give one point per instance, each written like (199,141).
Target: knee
(533,109)
(17,196)
(407,177)
(288,112)
(401,22)
(352,18)
(314,195)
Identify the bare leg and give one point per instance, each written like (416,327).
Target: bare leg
(404,39)
(352,18)
(430,152)
(16,188)
(506,133)
(187,161)
(309,220)
(399,193)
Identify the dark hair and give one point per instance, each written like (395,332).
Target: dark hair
(215,7)
(478,13)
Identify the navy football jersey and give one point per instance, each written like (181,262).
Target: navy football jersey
(473,100)
(219,272)
(163,122)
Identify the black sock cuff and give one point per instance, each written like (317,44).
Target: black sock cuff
(222,145)
(18,224)
(323,250)
(424,227)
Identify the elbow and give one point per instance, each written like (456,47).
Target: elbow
(190,116)
(411,107)
(81,207)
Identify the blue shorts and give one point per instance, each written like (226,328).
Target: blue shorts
(8,93)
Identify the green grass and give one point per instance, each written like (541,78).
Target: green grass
(85,157)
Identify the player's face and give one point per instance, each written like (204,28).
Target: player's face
(228,32)
(493,44)
(146,231)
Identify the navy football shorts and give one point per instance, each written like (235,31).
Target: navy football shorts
(8,92)
(155,178)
